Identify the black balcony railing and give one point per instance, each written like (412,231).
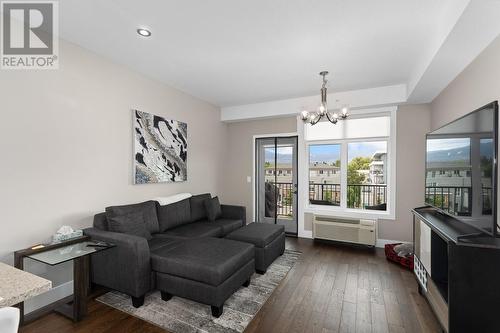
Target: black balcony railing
(285,199)
(359,196)
(367,196)
(324,194)
(487,195)
(456,200)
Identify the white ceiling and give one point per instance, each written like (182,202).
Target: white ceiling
(233,52)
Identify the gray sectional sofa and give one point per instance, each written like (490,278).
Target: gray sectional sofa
(194,248)
(174,248)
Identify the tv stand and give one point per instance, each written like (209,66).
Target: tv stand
(458,271)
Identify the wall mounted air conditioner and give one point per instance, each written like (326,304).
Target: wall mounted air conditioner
(358,231)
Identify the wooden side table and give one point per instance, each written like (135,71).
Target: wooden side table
(76,250)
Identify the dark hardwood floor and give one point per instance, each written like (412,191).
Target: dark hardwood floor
(333,288)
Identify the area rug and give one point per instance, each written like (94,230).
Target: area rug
(182,315)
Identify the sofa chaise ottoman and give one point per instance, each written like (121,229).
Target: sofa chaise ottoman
(206,270)
(269,241)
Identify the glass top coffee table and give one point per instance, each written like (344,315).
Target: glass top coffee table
(77,250)
(69,252)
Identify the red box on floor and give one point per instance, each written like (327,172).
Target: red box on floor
(393,256)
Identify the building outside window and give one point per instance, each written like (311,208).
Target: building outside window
(324,186)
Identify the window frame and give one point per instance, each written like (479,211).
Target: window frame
(342,210)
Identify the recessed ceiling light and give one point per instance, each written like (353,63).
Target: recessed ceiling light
(144,32)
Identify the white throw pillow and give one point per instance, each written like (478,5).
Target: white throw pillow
(172,198)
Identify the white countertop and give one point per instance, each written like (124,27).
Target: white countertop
(16,285)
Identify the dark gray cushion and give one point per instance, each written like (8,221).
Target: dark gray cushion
(203,292)
(207,260)
(173,215)
(100,221)
(227,225)
(158,241)
(234,212)
(130,224)
(213,209)
(148,209)
(195,230)
(259,234)
(198,211)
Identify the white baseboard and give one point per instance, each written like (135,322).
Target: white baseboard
(305,234)
(382,242)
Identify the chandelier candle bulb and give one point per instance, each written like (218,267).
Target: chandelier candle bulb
(322,109)
(345,111)
(304,115)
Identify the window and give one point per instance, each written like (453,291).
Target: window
(324,188)
(350,164)
(452,191)
(366,175)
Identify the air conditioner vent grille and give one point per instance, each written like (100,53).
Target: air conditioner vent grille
(345,230)
(336,219)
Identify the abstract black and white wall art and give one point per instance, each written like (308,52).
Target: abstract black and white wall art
(160,149)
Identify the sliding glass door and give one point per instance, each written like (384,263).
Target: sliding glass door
(276,181)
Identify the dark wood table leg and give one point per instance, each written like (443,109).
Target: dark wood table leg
(19,264)
(80,287)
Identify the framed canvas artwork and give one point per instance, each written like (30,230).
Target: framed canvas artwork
(160,149)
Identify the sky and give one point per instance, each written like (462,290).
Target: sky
(331,153)
(324,153)
(446,144)
(456,149)
(365,149)
(284,155)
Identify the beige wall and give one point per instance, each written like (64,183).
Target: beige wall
(239,161)
(66,143)
(477,85)
(413,122)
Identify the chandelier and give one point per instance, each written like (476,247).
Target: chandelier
(313,118)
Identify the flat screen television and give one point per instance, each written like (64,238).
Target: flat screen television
(461,168)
